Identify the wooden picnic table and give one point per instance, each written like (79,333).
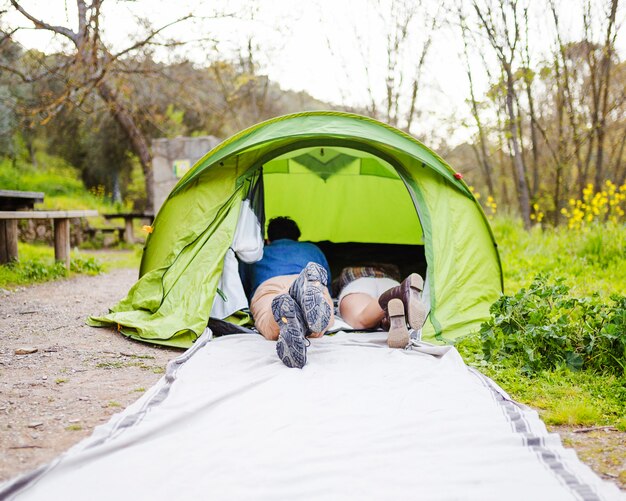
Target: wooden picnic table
(61,218)
(129,217)
(19,200)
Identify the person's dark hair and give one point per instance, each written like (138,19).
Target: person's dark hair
(282,227)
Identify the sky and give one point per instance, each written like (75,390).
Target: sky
(319,46)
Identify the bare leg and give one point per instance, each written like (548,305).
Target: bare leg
(361,311)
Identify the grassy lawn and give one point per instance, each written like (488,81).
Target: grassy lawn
(590,260)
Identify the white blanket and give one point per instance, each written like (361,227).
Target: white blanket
(360,421)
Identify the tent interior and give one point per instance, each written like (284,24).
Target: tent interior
(352,203)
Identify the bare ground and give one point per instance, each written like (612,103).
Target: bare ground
(78,377)
(72,378)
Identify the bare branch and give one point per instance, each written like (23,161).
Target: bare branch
(150,37)
(7,35)
(41,25)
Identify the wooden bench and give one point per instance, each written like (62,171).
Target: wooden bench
(93,231)
(128,217)
(61,218)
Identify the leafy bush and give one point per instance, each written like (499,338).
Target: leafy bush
(543,327)
(89,265)
(38,266)
(36,271)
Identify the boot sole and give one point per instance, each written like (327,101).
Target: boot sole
(291,344)
(311,300)
(417,310)
(398,333)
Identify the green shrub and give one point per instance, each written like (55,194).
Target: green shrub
(89,265)
(544,327)
(37,271)
(37,265)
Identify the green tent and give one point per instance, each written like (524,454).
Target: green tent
(360,189)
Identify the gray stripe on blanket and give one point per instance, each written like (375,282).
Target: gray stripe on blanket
(516,417)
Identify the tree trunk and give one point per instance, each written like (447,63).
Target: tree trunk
(136,136)
(518,162)
(533,139)
(605,80)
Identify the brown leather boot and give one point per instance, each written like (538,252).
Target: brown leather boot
(398,333)
(409,292)
(385,323)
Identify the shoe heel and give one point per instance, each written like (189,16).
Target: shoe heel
(316,273)
(416,314)
(398,333)
(282,309)
(416,282)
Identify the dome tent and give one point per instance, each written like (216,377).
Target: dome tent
(362,190)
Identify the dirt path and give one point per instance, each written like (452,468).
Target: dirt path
(79,376)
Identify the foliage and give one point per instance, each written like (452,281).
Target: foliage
(582,314)
(49,174)
(59,181)
(163,100)
(37,265)
(36,271)
(541,133)
(544,327)
(88,265)
(489,205)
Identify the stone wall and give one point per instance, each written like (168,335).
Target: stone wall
(42,230)
(171,158)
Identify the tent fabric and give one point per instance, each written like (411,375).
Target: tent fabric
(169,305)
(248,247)
(361,421)
(364,184)
(343,178)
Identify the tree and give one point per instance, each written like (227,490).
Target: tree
(501,25)
(481,151)
(88,66)
(400,38)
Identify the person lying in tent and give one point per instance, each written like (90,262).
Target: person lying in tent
(290,299)
(371,296)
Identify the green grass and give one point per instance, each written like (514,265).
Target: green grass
(565,397)
(37,264)
(59,181)
(589,261)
